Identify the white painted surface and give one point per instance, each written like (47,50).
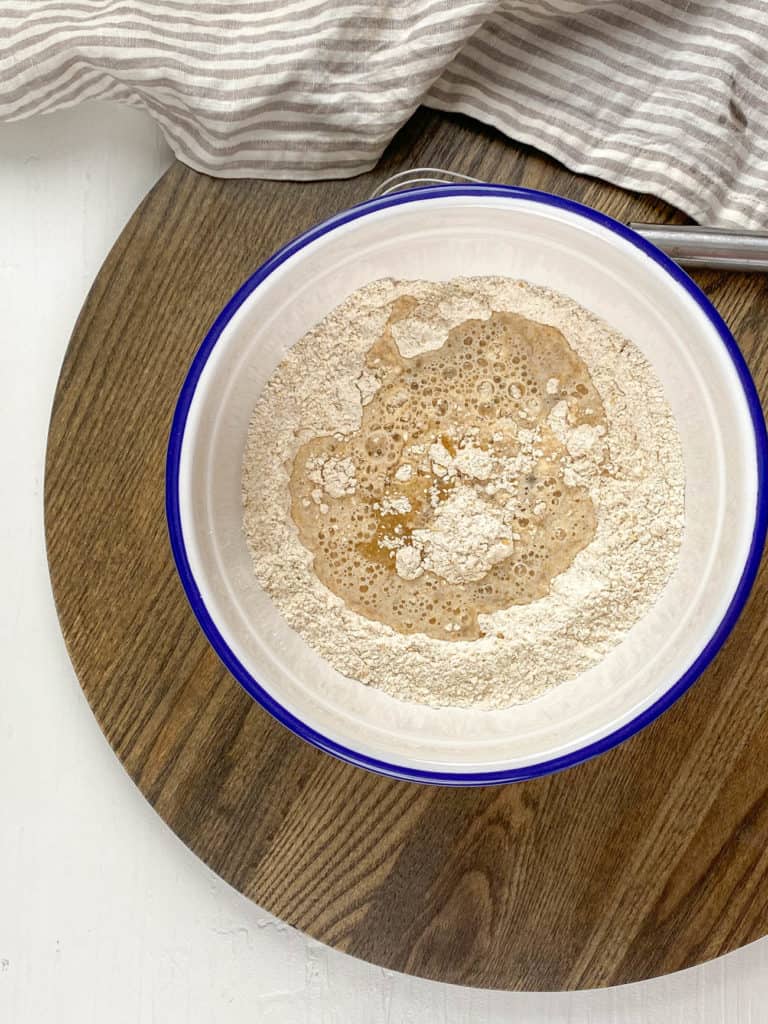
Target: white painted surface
(104,915)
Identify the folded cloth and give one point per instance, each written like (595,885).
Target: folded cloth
(659,96)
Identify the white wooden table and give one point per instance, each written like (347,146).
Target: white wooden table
(105,917)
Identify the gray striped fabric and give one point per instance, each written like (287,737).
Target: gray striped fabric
(659,96)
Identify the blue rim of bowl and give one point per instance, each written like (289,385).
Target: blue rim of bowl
(267,701)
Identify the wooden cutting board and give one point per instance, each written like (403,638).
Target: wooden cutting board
(646,860)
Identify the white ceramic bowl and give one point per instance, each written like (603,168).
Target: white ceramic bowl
(440,233)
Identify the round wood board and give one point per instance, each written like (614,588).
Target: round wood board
(646,860)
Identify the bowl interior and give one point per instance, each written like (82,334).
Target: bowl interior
(440,237)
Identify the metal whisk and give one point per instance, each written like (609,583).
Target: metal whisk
(705,248)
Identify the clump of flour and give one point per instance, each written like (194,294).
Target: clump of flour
(633,474)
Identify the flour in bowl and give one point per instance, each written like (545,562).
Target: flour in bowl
(463,492)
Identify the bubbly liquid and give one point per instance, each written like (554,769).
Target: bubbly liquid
(487,392)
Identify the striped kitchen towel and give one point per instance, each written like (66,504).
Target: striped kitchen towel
(662,96)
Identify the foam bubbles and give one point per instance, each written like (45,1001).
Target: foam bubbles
(470,414)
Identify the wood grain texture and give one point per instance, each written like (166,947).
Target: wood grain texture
(644,861)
